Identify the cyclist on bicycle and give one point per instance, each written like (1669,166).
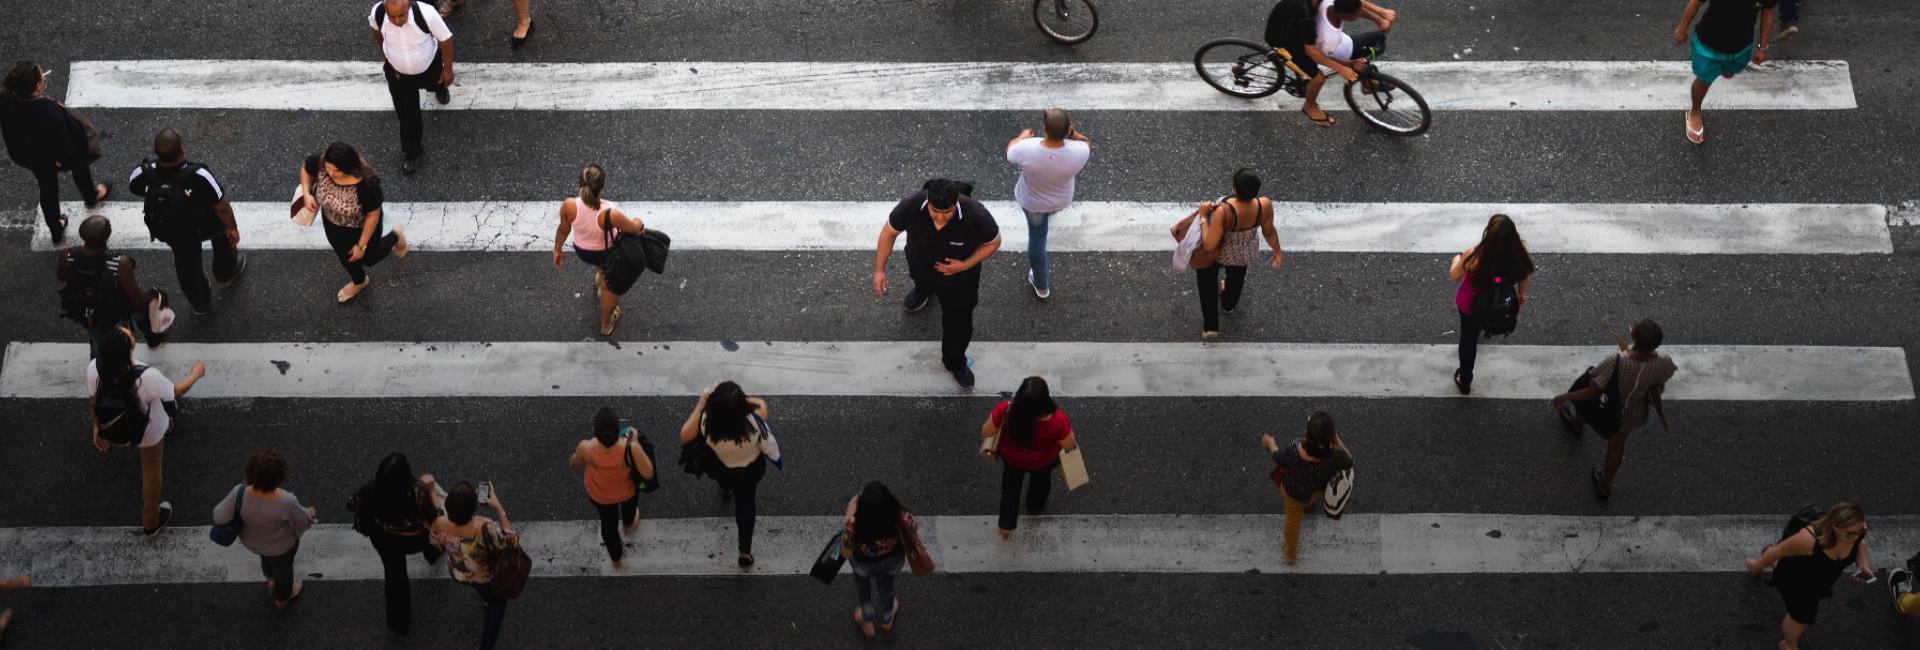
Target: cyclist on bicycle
(1312,28)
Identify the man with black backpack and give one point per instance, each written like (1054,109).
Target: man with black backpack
(98,289)
(417,49)
(185,206)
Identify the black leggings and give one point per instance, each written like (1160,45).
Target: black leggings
(344,239)
(393,550)
(612,517)
(744,484)
(1470,327)
(1039,487)
(49,180)
(1212,300)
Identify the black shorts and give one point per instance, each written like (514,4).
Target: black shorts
(1803,607)
(1365,46)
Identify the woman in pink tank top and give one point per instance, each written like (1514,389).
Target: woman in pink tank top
(592,223)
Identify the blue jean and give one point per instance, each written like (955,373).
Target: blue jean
(876,575)
(494,614)
(1037,246)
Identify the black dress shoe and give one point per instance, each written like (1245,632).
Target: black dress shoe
(409,166)
(916,300)
(57,231)
(443,96)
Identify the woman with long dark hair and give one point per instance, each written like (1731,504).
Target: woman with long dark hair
(878,531)
(603,460)
(734,427)
(1810,560)
(340,186)
(394,511)
(1500,258)
(1031,431)
(115,376)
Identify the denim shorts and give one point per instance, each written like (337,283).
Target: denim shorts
(1709,65)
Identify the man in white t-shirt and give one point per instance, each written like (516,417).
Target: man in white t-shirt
(418,50)
(1048,166)
(157,400)
(1310,31)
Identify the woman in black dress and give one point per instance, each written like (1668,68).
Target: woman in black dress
(1808,562)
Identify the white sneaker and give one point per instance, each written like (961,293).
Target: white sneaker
(1042,293)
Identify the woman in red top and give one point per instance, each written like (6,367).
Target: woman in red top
(602,461)
(1028,432)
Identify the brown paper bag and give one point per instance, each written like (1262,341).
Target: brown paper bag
(1073,468)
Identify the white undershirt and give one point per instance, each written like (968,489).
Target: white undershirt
(1331,41)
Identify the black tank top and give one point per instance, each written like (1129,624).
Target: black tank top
(1815,573)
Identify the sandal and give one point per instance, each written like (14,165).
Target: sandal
(1323,121)
(348,292)
(1600,488)
(892,617)
(401,247)
(608,330)
(1696,135)
(450,7)
(861,621)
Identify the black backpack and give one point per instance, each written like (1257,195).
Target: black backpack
(117,407)
(172,214)
(1801,520)
(1498,308)
(92,295)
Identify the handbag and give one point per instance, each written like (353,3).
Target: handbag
(507,563)
(917,559)
(827,565)
(767,430)
(640,483)
(225,534)
(626,256)
(1339,488)
(302,215)
(1191,252)
(1603,412)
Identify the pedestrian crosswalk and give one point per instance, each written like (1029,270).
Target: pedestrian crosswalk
(1393,544)
(912,368)
(898,86)
(1626,228)
(1743,353)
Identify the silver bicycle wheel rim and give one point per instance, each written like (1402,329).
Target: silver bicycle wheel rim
(1071,20)
(1257,69)
(1389,109)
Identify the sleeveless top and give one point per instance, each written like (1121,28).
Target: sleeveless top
(1238,247)
(1814,573)
(605,474)
(587,235)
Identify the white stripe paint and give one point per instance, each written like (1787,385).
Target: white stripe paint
(1019,85)
(1635,228)
(1358,544)
(912,368)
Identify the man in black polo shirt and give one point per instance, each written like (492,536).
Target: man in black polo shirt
(948,235)
(185,206)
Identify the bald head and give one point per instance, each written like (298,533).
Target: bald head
(95,231)
(168,147)
(1056,123)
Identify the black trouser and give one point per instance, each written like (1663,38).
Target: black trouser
(744,483)
(956,319)
(612,517)
(405,89)
(49,180)
(279,569)
(393,550)
(1039,486)
(1207,282)
(193,278)
(344,239)
(1470,327)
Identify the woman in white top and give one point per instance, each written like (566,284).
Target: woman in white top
(735,429)
(591,222)
(156,396)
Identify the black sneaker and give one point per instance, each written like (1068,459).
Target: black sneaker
(443,96)
(916,300)
(1566,414)
(410,165)
(239,268)
(166,515)
(964,377)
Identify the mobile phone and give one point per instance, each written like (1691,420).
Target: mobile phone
(485,493)
(1866,577)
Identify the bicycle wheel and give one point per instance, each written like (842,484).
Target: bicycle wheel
(1239,67)
(1068,22)
(1393,106)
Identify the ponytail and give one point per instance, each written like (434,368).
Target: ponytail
(593,181)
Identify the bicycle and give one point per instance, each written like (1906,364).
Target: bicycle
(1067,22)
(1243,68)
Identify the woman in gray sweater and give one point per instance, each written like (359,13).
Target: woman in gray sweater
(272,522)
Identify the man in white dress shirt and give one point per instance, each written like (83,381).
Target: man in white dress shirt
(418,51)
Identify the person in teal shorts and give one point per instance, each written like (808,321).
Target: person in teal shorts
(1723,44)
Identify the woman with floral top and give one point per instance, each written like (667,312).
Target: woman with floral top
(466,537)
(875,544)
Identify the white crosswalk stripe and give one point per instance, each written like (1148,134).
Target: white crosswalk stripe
(959,86)
(1631,228)
(912,368)
(1392,544)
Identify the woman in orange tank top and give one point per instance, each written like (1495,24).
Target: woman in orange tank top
(602,460)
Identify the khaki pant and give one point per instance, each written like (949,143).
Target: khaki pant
(1296,510)
(150,458)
